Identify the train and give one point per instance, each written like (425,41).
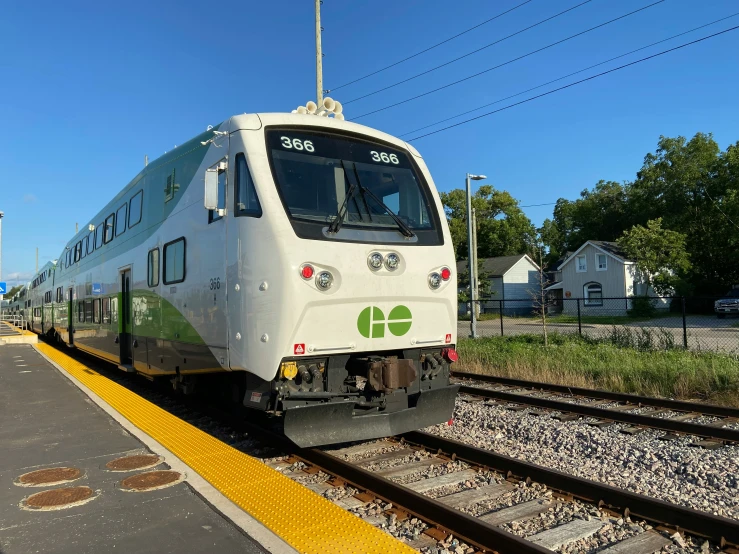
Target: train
(300,263)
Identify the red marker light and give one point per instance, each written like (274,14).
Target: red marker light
(446,273)
(450,355)
(307,271)
(299,349)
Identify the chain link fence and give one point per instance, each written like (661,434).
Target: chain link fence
(654,323)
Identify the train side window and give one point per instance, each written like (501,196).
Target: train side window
(59,294)
(245,200)
(120,221)
(83,250)
(109,226)
(90,243)
(134,208)
(77,252)
(153,268)
(174,261)
(106,310)
(88,311)
(99,236)
(96,310)
(213,214)
(81,311)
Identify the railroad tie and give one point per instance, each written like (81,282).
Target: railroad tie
(567,533)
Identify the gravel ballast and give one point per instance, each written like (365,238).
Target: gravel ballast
(673,471)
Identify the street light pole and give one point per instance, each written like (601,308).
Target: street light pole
(319,57)
(472,257)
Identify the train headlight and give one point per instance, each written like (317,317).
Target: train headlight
(392,261)
(324,280)
(434,280)
(374,261)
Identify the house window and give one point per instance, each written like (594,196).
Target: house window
(601,261)
(174,261)
(153,268)
(582,264)
(246,201)
(593,294)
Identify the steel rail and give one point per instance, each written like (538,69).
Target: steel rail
(685,427)
(716,528)
(678,405)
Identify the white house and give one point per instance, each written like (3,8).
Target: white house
(601,276)
(513,279)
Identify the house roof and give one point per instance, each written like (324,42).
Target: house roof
(497,267)
(607,247)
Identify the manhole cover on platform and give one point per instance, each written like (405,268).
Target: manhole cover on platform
(131,463)
(151,480)
(51,476)
(58,499)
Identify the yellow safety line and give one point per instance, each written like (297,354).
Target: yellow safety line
(302,518)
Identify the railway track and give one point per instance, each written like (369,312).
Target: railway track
(450,507)
(640,412)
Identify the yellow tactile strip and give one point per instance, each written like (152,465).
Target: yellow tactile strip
(303,519)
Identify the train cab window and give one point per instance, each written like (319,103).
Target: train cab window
(90,243)
(120,220)
(83,249)
(153,268)
(245,200)
(174,261)
(109,225)
(106,310)
(99,236)
(213,214)
(134,209)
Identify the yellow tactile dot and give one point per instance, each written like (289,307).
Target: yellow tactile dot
(302,518)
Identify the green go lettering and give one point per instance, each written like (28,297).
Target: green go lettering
(371,322)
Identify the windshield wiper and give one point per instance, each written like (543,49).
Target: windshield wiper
(341,214)
(399,222)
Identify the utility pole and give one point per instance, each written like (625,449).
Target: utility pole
(474,253)
(1,260)
(37,259)
(146,160)
(76,228)
(471,257)
(319,57)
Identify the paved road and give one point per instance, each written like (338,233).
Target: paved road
(704,332)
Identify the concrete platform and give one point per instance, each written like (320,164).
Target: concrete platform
(47,422)
(10,334)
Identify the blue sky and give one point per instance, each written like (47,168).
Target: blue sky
(89,88)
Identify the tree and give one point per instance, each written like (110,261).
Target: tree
(552,239)
(12,292)
(659,255)
(502,227)
(540,299)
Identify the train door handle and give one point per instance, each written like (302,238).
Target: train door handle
(135,343)
(116,339)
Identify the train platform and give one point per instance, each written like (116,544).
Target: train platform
(89,466)
(74,480)
(12,334)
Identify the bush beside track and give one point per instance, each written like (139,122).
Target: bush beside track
(605,364)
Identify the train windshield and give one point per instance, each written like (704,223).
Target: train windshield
(334,182)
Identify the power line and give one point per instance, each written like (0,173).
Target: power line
(576,83)
(536,205)
(507,62)
(719,209)
(469,53)
(569,75)
(431,47)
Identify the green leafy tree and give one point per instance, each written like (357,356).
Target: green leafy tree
(12,292)
(502,227)
(659,255)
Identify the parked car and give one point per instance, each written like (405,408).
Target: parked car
(729,304)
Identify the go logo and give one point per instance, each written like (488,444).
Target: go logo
(371,322)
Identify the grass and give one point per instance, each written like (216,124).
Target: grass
(599,363)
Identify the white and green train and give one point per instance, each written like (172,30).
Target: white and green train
(307,257)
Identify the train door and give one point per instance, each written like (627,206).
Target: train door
(125,331)
(70,319)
